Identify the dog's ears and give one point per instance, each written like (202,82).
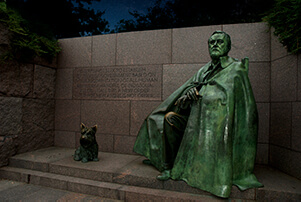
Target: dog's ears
(94,128)
(82,126)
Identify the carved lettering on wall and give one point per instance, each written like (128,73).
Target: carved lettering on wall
(126,82)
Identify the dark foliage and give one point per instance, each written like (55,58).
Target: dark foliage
(61,18)
(188,13)
(24,45)
(285,17)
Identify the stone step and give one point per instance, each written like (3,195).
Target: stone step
(128,170)
(97,188)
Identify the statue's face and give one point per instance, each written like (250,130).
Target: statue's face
(218,46)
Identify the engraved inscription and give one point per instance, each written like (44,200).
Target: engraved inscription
(134,82)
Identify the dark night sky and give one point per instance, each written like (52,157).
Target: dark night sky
(115,10)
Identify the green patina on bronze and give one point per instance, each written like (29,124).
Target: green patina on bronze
(88,149)
(205,133)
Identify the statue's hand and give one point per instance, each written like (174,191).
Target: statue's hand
(181,101)
(191,95)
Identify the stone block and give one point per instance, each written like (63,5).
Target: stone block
(111,117)
(295,168)
(67,115)
(64,83)
(124,144)
(105,142)
(281,122)
(7,173)
(34,140)
(136,173)
(277,49)
(16,79)
(8,184)
(80,170)
(299,78)
(102,170)
(262,195)
(175,75)
(76,52)
(104,50)
(262,155)
(47,62)
(280,158)
(286,160)
(139,111)
(102,189)
(64,139)
(263,122)
(248,194)
(10,116)
(284,79)
(44,82)
(260,78)
(133,193)
(40,159)
(296,126)
(7,149)
(119,83)
(181,186)
(37,124)
(250,40)
(83,188)
(278,186)
(145,47)
(38,115)
(32,165)
(49,180)
(190,45)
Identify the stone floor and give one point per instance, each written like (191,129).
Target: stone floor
(19,191)
(125,177)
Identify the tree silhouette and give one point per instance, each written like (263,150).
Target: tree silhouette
(188,13)
(61,18)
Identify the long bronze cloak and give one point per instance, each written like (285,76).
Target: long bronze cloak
(219,144)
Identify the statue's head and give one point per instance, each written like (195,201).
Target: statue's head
(219,44)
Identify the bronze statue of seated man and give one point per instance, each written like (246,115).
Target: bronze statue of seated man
(205,133)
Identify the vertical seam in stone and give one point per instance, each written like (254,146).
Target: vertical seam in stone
(92,39)
(270,48)
(72,88)
(291,128)
(270,102)
(80,112)
(171,46)
(116,38)
(270,112)
(162,72)
(298,84)
(33,80)
(130,113)
(91,51)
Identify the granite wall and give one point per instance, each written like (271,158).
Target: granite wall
(26,108)
(116,80)
(26,104)
(285,116)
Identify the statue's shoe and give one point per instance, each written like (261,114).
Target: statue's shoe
(165,175)
(147,162)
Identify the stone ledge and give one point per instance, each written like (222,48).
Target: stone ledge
(131,177)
